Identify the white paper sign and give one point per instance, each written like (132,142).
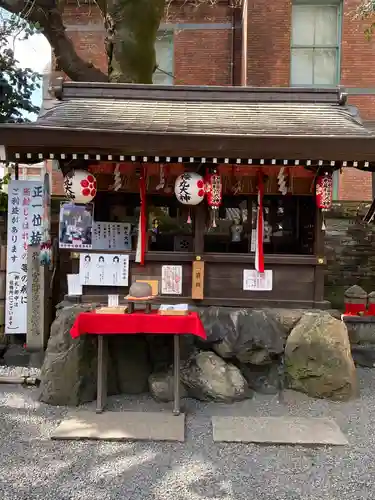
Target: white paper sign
(74,285)
(112,300)
(25,222)
(257,282)
(171,280)
(104,269)
(112,236)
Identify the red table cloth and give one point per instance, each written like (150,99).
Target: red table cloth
(137,323)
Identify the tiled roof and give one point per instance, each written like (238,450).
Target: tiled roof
(206,118)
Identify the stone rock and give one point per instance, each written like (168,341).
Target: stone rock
(361,329)
(254,336)
(318,360)
(209,378)
(131,364)
(288,318)
(161,386)
(217,323)
(264,379)
(355,292)
(68,374)
(364,355)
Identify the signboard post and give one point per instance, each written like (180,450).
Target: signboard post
(25,215)
(37,303)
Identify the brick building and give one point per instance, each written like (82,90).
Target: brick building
(284,43)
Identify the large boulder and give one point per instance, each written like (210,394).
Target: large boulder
(162,386)
(68,374)
(69,371)
(251,336)
(318,360)
(209,378)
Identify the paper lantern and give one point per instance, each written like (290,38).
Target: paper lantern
(189,188)
(80,186)
(324,191)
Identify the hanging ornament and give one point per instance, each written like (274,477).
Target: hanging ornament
(259,250)
(282,181)
(324,191)
(142,223)
(189,188)
(161,184)
(214,190)
(117,178)
(324,194)
(80,186)
(45,256)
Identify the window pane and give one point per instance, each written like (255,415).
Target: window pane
(164,60)
(303,25)
(326,32)
(302,67)
(325,64)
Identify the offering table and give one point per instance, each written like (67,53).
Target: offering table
(138,323)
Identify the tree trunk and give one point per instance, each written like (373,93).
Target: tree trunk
(132,27)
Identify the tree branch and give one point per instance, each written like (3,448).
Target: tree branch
(47,15)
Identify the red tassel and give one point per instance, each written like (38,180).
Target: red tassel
(259,251)
(142,226)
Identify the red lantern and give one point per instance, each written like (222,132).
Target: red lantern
(324,191)
(214,192)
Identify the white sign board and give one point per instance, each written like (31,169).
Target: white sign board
(171,280)
(257,282)
(74,285)
(104,269)
(111,236)
(25,214)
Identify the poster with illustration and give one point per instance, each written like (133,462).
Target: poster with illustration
(75,225)
(104,270)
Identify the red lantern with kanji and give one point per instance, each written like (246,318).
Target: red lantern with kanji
(324,191)
(214,193)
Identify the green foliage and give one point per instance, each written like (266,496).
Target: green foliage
(16,84)
(366,10)
(3,195)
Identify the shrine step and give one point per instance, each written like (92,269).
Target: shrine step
(278,430)
(122,426)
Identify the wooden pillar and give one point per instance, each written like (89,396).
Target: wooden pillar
(320,259)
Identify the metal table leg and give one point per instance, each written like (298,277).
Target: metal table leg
(176,375)
(101,395)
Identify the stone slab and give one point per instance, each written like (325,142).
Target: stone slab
(278,430)
(122,426)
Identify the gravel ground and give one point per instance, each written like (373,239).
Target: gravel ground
(34,467)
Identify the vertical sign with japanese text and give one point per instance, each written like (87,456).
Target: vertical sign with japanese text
(25,217)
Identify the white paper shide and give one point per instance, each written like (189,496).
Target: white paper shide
(257,282)
(104,269)
(25,217)
(171,280)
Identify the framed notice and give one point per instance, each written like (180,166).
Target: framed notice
(257,282)
(171,280)
(103,269)
(75,226)
(25,223)
(112,236)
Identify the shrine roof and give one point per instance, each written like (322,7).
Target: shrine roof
(220,122)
